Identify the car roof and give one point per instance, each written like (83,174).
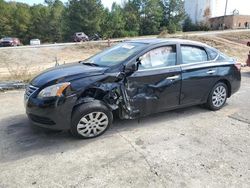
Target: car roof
(153,41)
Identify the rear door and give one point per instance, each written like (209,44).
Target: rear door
(156,85)
(198,74)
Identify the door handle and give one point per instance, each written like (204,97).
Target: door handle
(211,72)
(173,77)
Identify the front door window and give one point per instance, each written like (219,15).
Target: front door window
(158,58)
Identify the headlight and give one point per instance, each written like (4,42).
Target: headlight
(54,90)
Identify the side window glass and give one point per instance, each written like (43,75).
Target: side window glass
(192,54)
(223,57)
(212,54)
(159,57)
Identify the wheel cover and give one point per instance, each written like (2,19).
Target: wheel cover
(92,124)
(219,96)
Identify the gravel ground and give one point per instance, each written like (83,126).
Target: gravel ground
(191,147)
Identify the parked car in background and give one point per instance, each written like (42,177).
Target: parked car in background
(95,37)
(34,42)
(9,41)
(135,79)
(80,37)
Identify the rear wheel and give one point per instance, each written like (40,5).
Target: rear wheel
(91,120)
(217,97)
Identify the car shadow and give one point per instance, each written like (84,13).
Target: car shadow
(20,139)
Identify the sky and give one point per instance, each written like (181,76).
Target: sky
(106,3)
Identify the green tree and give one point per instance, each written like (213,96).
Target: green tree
(131,18)
(113,25)
(46,22)
(174,13)
(55,22)
(40,27)
(106,29)
(171,27)
(83,15)
(188,25)
(151,14)
(5,19)
(56,9)
(117,21)
(21,21)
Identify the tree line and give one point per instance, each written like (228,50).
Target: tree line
(55,21)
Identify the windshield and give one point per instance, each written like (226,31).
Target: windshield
(7,39)
(116,54)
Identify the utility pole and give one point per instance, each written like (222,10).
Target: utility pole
(226,8)
(196,11)
(225,13)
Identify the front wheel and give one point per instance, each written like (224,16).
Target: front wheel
(218,96)
(91,120)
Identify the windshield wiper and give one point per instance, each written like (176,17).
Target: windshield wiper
(90,64)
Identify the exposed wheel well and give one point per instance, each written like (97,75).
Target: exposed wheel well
(108,98)
(229,91)
(96,93)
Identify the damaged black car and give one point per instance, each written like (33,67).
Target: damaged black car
(133,78)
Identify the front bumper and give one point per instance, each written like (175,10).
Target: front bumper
(53,114)
(6,44)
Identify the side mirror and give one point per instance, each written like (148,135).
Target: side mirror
(133,67)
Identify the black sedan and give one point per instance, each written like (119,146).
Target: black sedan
(134,79)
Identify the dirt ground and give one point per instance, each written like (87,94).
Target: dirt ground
(191,147)
(25,63)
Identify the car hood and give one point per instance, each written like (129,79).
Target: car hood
(66,73)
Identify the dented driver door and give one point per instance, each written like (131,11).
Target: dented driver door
(156,85)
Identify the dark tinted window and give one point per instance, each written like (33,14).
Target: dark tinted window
(193,54)
(159,57)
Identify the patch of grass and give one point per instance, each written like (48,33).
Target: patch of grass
(18,72)
(98,45)
(237,35)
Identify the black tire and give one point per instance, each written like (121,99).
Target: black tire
(210,104)
(90,108)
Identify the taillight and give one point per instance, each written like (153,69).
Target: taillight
(237,65)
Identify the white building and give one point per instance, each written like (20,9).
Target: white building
(200,10)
